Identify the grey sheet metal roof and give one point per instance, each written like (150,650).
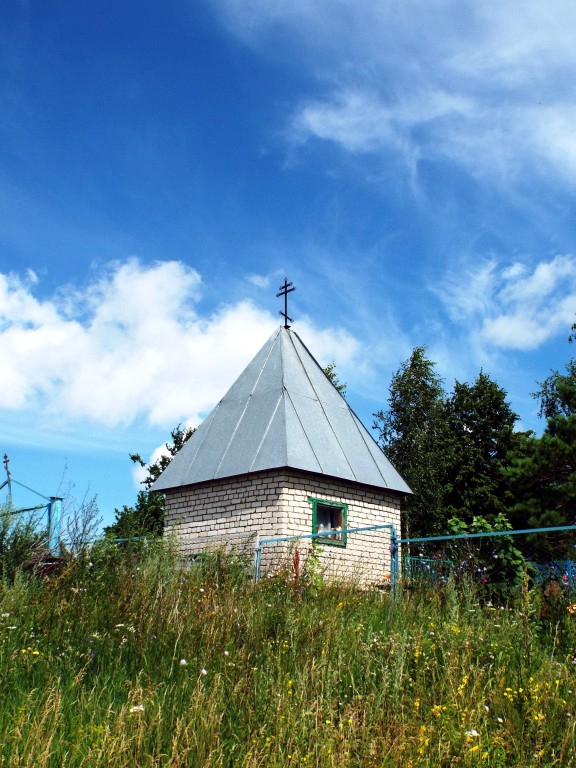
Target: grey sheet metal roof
(282,411)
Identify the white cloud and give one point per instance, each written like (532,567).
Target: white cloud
(514,307)
(132,345)
(260,281)
(485,85)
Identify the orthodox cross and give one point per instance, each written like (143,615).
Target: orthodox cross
(284,291)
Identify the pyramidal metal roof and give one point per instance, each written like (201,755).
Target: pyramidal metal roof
(282,411)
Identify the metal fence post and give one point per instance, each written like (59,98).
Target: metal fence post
(257,558)
(394,554)
(54,524)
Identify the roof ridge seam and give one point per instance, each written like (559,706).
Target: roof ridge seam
(211,415)
(303,428)
(248,399)
(266,431)
(321,404)
(363,432)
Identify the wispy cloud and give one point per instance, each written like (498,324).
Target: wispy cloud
(517,307)
(480,84)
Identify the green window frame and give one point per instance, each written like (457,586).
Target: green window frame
(329,517)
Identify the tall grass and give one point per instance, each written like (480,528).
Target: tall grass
(134,661)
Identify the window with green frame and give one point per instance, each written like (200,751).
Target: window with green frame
(329,518)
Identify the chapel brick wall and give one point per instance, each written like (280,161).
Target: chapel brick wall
(233,511)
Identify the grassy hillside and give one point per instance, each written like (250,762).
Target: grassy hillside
(132,661)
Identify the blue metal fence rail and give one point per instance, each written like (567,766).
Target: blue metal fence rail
(395,542)
(394,568)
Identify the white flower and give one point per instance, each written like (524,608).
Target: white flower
(203,671)
(137,708)
(226,653)
(472,732)
(499,719)
(183,663)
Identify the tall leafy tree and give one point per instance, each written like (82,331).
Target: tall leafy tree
(412,434)
(542,472)
(480,434)
(146,517)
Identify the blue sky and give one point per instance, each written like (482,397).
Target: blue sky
(410,166)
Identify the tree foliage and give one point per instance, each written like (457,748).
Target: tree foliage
(146,517)
(480,434)
(495,564)
(542,472)
(332,374)
(412,433)
(450,448)
(557,393)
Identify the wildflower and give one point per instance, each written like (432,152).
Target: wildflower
(472,733)
(571,609)
(499,719)
(183,663)
(5,615)
(203,671)
(226,653)
(137,708)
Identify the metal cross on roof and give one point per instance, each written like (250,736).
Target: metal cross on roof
(284,291)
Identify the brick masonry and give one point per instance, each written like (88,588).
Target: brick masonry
(234,510)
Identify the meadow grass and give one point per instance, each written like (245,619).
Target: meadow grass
(135,661)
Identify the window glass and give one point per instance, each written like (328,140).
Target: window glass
(329,519)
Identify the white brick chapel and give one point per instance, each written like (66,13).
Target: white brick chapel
(283,454)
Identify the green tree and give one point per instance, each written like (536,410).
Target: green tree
(146,517)
(542,478)
(332,374)
(411,432)
(542,471)
(480,434)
